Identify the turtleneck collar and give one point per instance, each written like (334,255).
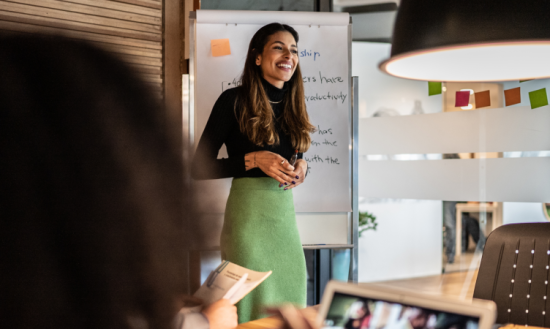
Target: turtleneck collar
(273,93)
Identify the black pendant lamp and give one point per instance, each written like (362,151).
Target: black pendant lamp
(471,40)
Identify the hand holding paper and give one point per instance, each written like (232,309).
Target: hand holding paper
(233,293)
(221,315)
(229,281)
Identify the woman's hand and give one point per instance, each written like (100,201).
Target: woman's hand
(299,173)
(221,315)
(273,165)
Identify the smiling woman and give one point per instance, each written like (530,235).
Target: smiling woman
(279,59)
(263,123)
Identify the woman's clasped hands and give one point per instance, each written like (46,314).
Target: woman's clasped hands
(277,167)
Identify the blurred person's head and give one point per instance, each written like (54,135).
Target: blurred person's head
(418,318)
(91,207)
(359,309)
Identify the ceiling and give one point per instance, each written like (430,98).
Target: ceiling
(372,19)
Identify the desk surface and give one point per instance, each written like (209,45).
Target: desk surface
(265,323)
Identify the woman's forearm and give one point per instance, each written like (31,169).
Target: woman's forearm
(272,164)
(303,164)
(205,167)
(250,161)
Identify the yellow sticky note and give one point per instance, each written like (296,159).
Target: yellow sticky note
(220,47)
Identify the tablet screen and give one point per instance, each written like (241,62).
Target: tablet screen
(352,312)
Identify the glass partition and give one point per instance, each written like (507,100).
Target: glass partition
(439,174)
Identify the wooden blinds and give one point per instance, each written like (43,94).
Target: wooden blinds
(132,29)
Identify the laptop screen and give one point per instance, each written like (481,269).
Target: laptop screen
(352,312)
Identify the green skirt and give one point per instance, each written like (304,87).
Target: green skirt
(260,233)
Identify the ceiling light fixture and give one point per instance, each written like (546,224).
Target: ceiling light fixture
(470,40)
(469,106)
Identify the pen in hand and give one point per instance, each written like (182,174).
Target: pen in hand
(293,158)
(292,162)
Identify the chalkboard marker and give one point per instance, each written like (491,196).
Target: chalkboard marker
(293,158)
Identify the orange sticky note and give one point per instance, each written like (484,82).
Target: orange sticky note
(512,96)
(483,99)
(220,47)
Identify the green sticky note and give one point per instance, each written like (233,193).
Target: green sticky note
(538,98)
(520,81)
(434,88)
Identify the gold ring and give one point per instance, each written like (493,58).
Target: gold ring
(283,162)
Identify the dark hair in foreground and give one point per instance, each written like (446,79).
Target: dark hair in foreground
(91,208)
(256,118)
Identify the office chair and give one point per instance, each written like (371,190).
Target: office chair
(514,273)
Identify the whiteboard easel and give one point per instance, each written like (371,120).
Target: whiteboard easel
(325,202)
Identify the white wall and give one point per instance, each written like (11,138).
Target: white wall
(522,212)
(380,91)
(408,240)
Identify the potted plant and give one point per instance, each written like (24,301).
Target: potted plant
(367,221)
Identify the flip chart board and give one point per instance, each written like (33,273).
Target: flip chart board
(324,56)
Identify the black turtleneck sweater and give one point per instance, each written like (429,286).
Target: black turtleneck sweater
(223,128)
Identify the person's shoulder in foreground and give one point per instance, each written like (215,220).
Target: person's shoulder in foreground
(90,232)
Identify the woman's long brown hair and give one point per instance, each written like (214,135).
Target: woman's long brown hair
(256,118)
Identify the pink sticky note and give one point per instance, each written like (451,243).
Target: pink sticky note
(220,47)
(462,98)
